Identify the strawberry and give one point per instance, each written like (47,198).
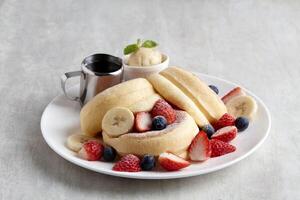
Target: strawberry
(225,120)
(161,107)
(171,162)
(143,121)
(233,93)
(91,150)
(128,163)
(225,134)
(219,148)
(199,149)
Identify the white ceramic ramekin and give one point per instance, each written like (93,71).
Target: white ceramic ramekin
(131,72)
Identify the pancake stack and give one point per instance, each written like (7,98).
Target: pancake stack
(137,95)
(186,91)
(198,105)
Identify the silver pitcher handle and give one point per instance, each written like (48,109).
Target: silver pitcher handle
(63,80)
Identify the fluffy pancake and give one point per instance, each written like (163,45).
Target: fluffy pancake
(207,101)
(144,105)
(175,96)
(175,138)
(124,94)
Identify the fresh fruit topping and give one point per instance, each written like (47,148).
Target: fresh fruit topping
(143,121)
(159,123)
(225,134)
(241,123)
(109,154)
(91,150)
(171,162)
(117,121)
(225,120)
(148,162)
(233,93)
(128,163)
(75,141)
(219,148)
(162,108)
(214,88)
(242,106)
(209,130)
(199,149)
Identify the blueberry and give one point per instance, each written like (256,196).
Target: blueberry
(159,123)
(209,130)
(109,154)
(241,123)
(214,88)
(148,163)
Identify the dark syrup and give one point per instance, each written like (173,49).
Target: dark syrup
(103,66)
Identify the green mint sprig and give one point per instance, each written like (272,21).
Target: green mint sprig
(149,44)
(134,47)
(130,49)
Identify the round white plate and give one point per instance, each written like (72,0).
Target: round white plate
(61,119)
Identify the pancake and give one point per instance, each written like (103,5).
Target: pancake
(207,101)
(175,138)
(124,94)
(144,105)
(177,97)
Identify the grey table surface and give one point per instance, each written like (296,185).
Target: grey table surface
(253,43)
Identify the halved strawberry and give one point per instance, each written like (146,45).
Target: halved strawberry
(225,120)
(91,150)
(225,134)
(171,162)
(163,108)
(128,163)
(199,149)
(233,93)
(143,121)
(219,148)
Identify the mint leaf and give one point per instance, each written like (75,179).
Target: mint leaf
(130,49)
(149,44)
(134,47)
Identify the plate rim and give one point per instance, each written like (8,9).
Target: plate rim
(168,175)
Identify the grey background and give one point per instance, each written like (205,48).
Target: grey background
(253,43)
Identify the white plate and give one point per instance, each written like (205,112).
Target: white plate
(61,119)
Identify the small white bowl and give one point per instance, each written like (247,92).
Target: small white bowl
(132,72)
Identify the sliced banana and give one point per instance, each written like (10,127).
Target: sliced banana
(75,141)
(242,106)
(117,121)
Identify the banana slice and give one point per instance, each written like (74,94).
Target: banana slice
(75,141)
(242,106)
(117,121)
